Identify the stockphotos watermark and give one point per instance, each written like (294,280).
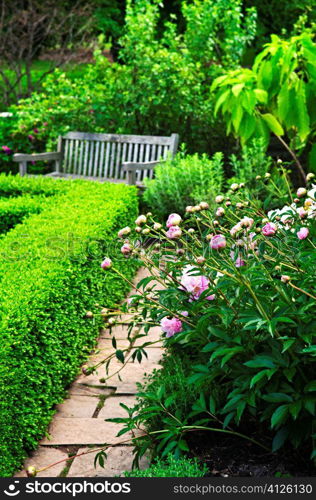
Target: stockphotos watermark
(40,487)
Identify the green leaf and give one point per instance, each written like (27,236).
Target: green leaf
(236,89)
(260,362)
(311,386)
(295,408)
(261,95)
(212,405)
(258,377)
(279,415)
(277,397)
(273,124)
(120,355)
(280,438)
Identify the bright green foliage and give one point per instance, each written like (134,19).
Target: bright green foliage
(50,277)
(184,180)
(171,467)
(15,185)
(13,211)
(277,95)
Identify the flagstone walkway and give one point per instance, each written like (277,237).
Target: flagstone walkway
(79,423)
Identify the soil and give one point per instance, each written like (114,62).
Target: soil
(233,457)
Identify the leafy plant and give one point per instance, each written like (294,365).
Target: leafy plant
(183,181)
(237,297)
(171,467)
(275,96)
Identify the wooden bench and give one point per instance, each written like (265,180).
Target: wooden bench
(105,157)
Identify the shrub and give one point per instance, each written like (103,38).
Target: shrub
(171,467)
(277,96)
(237,296)
(13,211)
(50,270)
(15,185)
(184,181)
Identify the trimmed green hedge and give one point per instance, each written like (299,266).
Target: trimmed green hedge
(51,276)
(15,185)
(14,210)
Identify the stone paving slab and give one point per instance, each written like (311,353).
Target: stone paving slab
(83,431)
(119,459)
(77,407)
(42,457)
(78,389)
(130,373)
(112,408)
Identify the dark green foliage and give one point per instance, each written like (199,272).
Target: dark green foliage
(171,467)
(50,277)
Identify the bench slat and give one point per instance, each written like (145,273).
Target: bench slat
(136,139)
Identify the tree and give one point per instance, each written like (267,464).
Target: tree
(29,26)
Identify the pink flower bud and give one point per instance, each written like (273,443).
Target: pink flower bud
(220,212)
(204,205)
(189,209)
(124,232)
(200,260)
(174,220)
(219,199)
(302,233)
(302,212)
(269,229)
(106,264)
(285,278)
(218,242)
(126,249)
(141,220)
(301,192)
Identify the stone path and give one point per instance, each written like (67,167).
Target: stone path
(79,426)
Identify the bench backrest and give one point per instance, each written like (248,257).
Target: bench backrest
(102,155)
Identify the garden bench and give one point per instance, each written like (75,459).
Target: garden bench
(105,157)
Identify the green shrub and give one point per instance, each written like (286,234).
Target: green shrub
(182,181)
(238,299)
(15,185)
(50,277)
(171,467)
(14,210)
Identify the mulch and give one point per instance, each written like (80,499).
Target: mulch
(233,457)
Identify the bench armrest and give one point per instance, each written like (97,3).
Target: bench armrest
(22,159)
(19,157)
(131,167)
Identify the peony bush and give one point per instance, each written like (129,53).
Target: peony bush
(233,289)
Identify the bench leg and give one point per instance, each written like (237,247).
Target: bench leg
(131,177)
(23,168)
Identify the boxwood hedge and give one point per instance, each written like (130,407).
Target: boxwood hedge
(50,276)
(14,210)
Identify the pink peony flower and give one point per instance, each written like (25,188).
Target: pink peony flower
(173,220)
(107,263)
(269,229)
(31,137)
(126,249)
(7,150)
(184,313)
(171,326)
(302,212)
(195,285)
(141,219)
(302,233)
(174,232)
(217,242)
